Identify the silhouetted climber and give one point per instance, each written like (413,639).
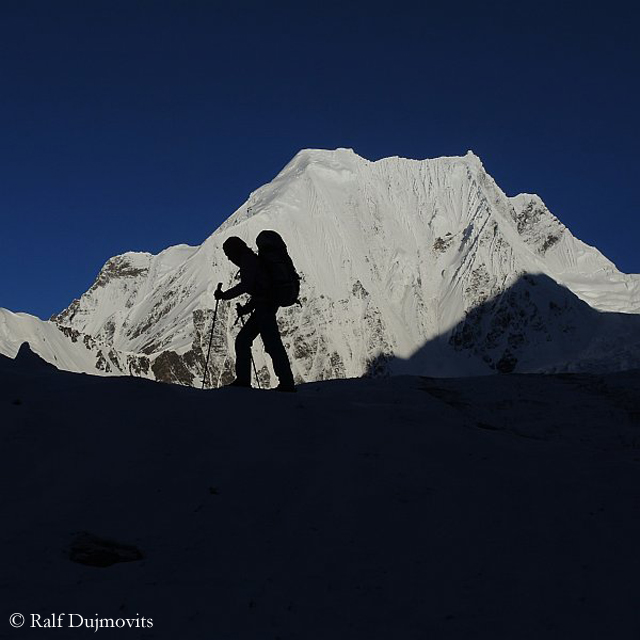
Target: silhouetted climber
(263,283)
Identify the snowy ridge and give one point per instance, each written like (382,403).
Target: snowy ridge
(46,339)
(408,265)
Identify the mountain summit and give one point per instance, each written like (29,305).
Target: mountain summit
(412,266)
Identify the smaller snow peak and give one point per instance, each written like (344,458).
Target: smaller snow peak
(137,258)
(127,265)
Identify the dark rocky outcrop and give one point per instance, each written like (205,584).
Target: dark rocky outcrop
(94,551)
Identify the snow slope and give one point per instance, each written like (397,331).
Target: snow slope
(51,343)
(487,508)
(416,266)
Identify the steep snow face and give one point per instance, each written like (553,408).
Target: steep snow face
(421,266)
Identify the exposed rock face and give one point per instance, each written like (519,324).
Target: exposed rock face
(420,266)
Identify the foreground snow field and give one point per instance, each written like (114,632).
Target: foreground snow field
(401,508)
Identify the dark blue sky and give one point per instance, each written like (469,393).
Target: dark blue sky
(137,125)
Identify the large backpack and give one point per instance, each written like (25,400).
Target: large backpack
(284,281)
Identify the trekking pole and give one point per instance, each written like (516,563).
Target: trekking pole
(255,371)
(213,324)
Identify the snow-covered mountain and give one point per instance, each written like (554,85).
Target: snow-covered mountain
(408,266)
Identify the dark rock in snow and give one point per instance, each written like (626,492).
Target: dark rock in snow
(99,552)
